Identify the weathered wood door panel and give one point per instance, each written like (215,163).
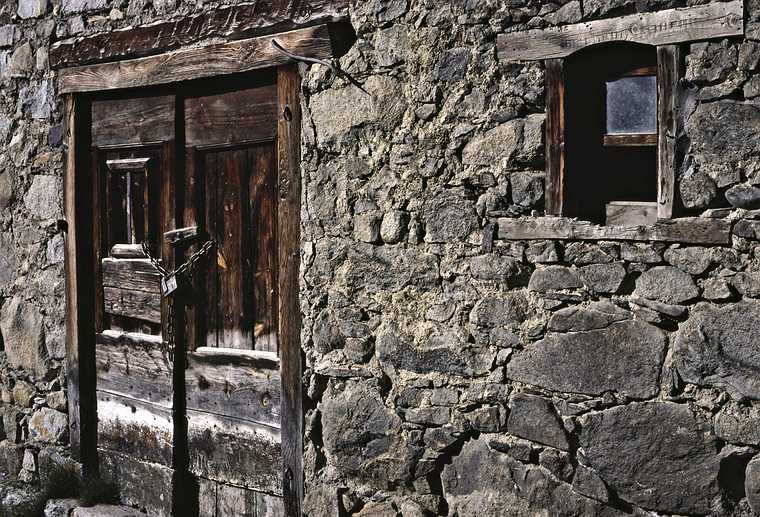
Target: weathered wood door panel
(133,144)
(214,411)
(233,379)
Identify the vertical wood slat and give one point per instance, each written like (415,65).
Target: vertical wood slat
(289,192)
(80,325)
(263,231)
(668,73)
(555,136)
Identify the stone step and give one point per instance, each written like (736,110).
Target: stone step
(107,510)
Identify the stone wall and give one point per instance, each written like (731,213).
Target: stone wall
(443,377)
(449,377)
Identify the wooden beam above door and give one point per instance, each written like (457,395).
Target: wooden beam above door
(230,23)
(196,63)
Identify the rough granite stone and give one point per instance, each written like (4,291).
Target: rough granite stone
(692,260)
(744,196)
(624,357)
(718,346)
(752,484)
(509,309)
(666,284)
(449,216)
(603,278)
(31,8)
(554,278)
(741,428)
(698,191)
(80,6)
(495,146)
(534,418)
(23,334)
(481,482)
(675,456)
(498,268)
(43,199)
(49,426)
(597,315)
(361,435)
(587,482)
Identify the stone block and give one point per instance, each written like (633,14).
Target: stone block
(717,346)
(607,356)
(31,8)
(675,456)
(554,278)
(534,418)
(43,199)
(49,426)
(603,278)
(666,284)
(81,6)
(495,146)
(21,325)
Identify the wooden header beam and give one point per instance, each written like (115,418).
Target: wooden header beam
(196,63)
(237,22)
(715,20)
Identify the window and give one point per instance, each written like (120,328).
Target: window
(610,147)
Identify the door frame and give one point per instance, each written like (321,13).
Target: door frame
(79,283)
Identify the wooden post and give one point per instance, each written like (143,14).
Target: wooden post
(80,326)
(555,137)
(668,74)
(289,220)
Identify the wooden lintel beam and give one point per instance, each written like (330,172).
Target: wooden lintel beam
(230,23)
(196,63)
(691,230)
(715,20)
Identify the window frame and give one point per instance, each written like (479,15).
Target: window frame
(669,72)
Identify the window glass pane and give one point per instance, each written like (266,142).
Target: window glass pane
(632,105)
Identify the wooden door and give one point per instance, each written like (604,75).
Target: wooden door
(233,371)
(193,429)
(132,158)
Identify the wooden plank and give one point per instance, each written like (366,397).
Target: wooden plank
(128,303)
(134,274)
(555,137)
(99,235)
(632,140)
(128,164)
(669,64)
(630,213)
(220,500)
(80,312)
(181,235)
(289,313)
(715,20)
(692,230)
(231,23)
(232,118)
(127,251)
(207,497)
(141,484)
(134,427)
(233,451)
(136,121)
(241,385)
(195,63)
(262,187)
(133,365)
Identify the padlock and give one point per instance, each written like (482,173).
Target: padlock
(168,285)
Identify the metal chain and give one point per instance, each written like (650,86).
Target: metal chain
(186,269)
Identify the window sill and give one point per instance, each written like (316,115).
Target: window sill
(691,230)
